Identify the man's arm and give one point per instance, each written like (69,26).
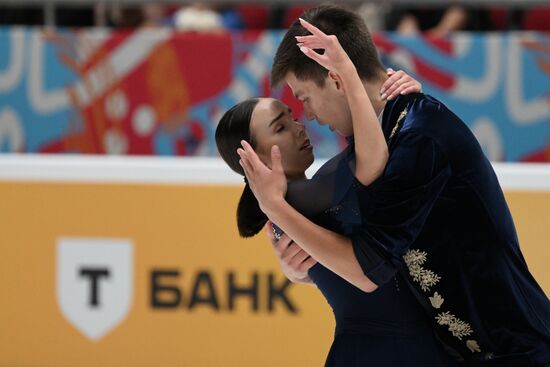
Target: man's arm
(395,208)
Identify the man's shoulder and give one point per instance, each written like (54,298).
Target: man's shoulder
(406,111)
(429,116)
(429,108)
(429,122)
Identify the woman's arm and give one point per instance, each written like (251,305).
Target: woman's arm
(371,150)
(332,250)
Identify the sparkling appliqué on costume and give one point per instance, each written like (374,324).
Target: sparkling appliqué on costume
(427,278)
(473,346)
(414,259)
(436,300)
(456,326)
(276,232)
(334,210)
(401,117)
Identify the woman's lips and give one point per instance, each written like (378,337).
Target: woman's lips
(306,145)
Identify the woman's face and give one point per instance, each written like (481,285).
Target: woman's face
(272,124)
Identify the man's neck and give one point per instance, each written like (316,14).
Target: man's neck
(373,91)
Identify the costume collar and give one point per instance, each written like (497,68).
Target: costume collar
(393,109)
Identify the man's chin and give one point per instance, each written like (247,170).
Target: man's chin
(336,131)
(340,133)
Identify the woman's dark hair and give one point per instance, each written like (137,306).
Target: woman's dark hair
(233,127)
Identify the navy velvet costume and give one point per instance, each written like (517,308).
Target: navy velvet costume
(438,217)
(387,327)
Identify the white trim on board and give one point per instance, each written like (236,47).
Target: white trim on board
(190,170)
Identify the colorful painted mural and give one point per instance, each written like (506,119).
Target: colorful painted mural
(160,92)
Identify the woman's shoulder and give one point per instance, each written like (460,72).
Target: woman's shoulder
(334,164)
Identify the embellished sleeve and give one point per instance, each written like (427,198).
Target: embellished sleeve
(395,207)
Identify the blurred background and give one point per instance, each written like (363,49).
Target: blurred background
(108,162)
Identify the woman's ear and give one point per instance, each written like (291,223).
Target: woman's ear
(336,80)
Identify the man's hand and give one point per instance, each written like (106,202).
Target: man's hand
(295,262)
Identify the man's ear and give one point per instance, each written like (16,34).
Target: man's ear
(335,79)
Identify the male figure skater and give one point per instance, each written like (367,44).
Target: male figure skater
(437,214)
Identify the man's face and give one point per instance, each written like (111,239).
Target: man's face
(328,105)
